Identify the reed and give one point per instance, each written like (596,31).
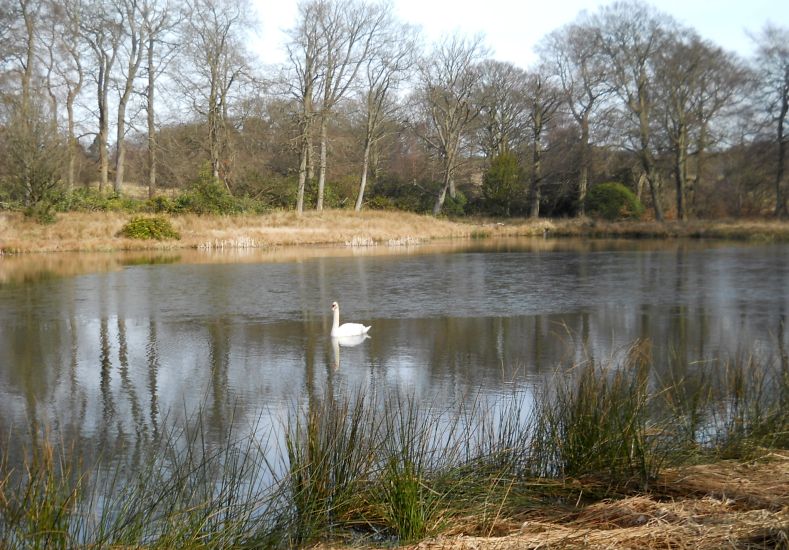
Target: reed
(330,454)
(383,469)
(597,424)
(38,504)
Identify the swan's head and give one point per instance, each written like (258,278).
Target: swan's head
(334,306)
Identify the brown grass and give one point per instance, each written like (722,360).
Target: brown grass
(723,505)
(97,231)
(764,230)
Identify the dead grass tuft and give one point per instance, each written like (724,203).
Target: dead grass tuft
(712,506)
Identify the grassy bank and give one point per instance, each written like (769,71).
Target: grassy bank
(606,456)
(98,231)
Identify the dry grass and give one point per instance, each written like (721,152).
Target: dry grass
(722,505)
(97,231)
(715,229)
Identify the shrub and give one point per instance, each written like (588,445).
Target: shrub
(207,195)
(42,212)
(501,183)
(380,202)
(455,206)
(91,200)
(149,228)
(159,204)
(613,201)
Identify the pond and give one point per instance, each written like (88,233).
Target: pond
(103,348)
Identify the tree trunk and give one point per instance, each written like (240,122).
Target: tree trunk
(448,182)
(645,155)
(780,195)
(120,147)
(30,54)
(701,158)
(72,145)
(536,177)
(104,163)
(442,195)
(213,125)
(151,122)
(583,173)
(363,180)
(305,147)
(213,143)
(681,172)
(322,168)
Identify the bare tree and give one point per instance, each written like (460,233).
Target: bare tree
(544,99)
(30,14)
(503,117)
(630,35)
(135,29)
(102,28)
(394,53)
(586,84)
(305,53)
(348,29)
(449,80)
(696,82)
(723,86)
(677,70)
(216,65)
(32,145)
(159,20)
(773,64)
(34,151)
(64,53)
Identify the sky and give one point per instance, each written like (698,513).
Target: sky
(513,27)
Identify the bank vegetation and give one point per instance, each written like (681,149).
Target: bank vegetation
(614,454)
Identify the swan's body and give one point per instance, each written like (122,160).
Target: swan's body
(346,329)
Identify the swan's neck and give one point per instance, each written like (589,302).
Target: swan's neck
(336,323)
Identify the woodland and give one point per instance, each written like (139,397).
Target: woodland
(165,99)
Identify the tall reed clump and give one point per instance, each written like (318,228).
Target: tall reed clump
(751,411)
(597,425)
(189,489)
(363,465)
(38,503)
(417,450)
(331,452)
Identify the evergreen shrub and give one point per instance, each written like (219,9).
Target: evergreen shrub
(155,227)
(613,201)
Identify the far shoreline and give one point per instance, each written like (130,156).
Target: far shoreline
(97,231)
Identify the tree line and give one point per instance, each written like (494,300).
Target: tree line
(362,113)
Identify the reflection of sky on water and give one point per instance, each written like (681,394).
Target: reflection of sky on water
(106,355)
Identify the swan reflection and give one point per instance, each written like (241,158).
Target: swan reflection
(346,342)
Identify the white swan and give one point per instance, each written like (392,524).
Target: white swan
(346,329)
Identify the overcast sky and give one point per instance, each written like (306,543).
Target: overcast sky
(513,27)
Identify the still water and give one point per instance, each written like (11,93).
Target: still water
(103,348)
